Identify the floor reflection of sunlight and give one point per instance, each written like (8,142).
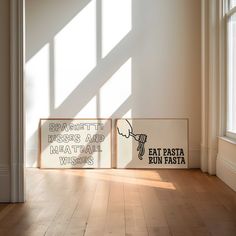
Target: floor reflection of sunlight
(136,177)
(116,23)
(75,52)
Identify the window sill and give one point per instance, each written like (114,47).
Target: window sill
(227,139)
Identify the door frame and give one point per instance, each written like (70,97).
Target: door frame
(17,61)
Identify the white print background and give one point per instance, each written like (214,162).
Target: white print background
(161,133)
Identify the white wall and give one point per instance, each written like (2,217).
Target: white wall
(4,101)
(136,59)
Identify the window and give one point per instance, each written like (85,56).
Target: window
(231,69)
(232,3)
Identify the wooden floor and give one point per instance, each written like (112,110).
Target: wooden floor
(121,202)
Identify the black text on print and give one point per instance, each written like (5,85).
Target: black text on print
(75,149)
(76,160)
(171,156)
(61,127)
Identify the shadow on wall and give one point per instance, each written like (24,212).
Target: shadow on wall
(109,58)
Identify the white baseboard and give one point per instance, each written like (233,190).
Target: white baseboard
(4,183)
(204,158)
(4,171)
(226,171)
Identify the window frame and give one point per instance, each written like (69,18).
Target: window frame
(227,15)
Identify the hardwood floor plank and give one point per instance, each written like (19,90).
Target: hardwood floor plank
(135,222)
(115,219)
